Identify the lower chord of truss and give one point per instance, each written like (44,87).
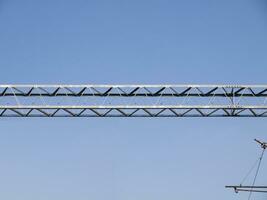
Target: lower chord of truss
(133,111)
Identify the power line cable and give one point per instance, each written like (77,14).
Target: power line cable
(256,175)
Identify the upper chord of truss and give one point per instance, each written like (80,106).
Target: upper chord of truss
(135,90)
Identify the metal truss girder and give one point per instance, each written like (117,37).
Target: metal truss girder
(133,100)
(135,90)
(132,111)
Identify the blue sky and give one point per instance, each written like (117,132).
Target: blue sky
(119,42)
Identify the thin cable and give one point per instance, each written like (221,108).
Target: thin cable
(256,175)
(249,172)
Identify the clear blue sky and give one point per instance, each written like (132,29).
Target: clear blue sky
(167,41)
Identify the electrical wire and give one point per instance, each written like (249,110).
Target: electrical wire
(256,175)
(250,171)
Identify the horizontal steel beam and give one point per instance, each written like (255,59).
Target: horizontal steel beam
(258,189)
(135,90)
(246,186)
(132,111)
(135,85)
(134,107)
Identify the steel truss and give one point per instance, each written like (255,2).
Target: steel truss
(133,100)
